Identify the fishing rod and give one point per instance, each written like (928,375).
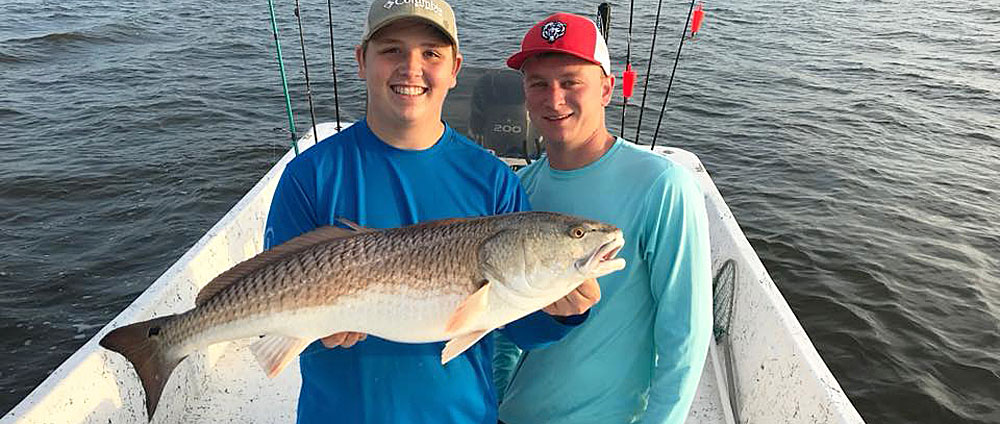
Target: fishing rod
(628,77)
(284,79)
(649,66)
(333,61)
(674,71)
(305,67)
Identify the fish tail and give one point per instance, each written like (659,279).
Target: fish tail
(142,345)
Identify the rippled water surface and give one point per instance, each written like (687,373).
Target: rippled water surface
(857,142)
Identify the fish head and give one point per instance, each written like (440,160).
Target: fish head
(545,252)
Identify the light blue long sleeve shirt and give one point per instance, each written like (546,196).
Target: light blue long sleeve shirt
(648,336)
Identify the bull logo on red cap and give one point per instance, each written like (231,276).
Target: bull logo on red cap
(551,31)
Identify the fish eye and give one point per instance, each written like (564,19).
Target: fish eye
(577,232)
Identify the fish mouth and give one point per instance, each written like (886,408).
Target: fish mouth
(604,261)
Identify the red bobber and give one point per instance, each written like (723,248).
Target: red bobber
(628,81)
(697,18)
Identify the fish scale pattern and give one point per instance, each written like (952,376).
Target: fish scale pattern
(419,261)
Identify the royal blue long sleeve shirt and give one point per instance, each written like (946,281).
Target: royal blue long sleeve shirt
(355,175)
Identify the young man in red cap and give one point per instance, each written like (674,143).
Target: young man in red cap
(398,166)
(647,339)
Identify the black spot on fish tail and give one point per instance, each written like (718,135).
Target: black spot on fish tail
(141,345)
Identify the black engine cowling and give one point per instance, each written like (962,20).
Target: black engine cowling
(488,106)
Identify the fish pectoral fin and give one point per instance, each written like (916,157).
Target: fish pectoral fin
(459,344)
(274,353)
(469,311)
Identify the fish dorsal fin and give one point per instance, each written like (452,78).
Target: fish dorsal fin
(426,224)
(447,221)
(354,225)
(295,245)
(439,223)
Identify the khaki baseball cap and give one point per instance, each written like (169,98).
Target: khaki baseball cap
(435,12)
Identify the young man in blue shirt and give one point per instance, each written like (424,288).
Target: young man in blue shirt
(398,166)
(649,336)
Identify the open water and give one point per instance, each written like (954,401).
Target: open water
(857,142)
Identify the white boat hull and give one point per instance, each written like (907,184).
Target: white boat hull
(764,370)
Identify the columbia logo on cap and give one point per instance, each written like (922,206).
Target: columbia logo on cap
(426,4)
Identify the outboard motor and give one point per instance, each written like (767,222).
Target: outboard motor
(493,100)
(498,119)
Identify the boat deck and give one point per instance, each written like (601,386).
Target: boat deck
(232,393)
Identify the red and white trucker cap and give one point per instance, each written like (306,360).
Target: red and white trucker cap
(564,33)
